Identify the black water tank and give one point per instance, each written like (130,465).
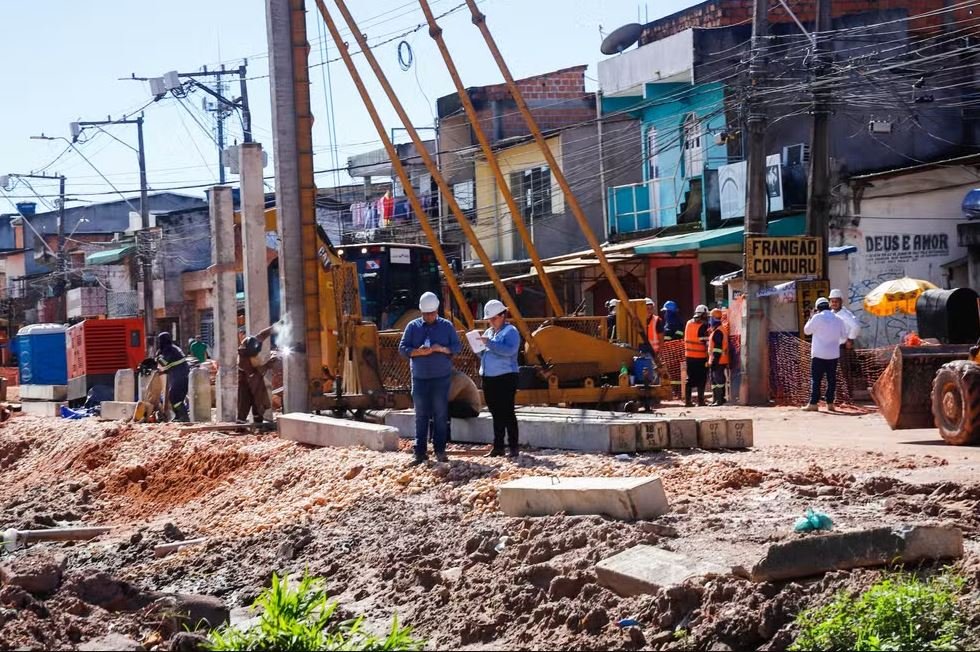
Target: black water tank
(949,315)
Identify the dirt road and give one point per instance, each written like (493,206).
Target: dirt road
(428,543)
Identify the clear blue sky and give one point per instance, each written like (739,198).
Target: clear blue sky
(62,60)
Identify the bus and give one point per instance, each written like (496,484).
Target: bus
(392,277)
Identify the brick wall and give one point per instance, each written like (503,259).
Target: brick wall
(724,13)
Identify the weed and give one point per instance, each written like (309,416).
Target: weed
(301,618)
(900,612)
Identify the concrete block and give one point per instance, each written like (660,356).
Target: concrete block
(653,436)
(683,433)
(537,431)
(124,385)
(627,499)
(118,410)
(712,433)
(42,408)
(644,570)
(817,554)
(43,392)
(740,433)
(327,431)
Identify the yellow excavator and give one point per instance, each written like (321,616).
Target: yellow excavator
(568,361)
(937,385)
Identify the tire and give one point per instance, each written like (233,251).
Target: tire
(956,402)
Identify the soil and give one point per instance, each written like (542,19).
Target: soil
(429,543)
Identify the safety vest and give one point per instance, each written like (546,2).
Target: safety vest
(695,346)
(652,333)
(723,351)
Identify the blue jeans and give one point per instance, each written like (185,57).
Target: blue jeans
(431,399)
(818,368)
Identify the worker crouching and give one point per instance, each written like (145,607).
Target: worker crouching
(253,396)
(718,360)
(172,362)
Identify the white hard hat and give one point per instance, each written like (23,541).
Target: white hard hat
(612,302)
(701,310)
(836,294)
(650,302)
(821,301)
(428,302)
(493,308)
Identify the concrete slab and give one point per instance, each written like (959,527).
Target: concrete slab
(587,435)
(712,433)
(627,499)
(327,431)
(199,396)
(43,392)
(644,569)
(118,410)
(817,554)
(683,433)
(124,385)
(653,436)
(42,408)
(740,433)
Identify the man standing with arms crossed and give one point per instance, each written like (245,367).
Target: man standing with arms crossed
(827,331)
(429,343)
(847,355)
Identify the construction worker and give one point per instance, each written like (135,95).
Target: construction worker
(673,322)
(611,318)
(718,357)
(430,342)
(171,361)
(253,396)
(655,325)
(827,331)
(198,349)
(498,371)
(696,354)
(848,358)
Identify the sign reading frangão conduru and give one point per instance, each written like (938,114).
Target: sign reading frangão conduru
(773,259)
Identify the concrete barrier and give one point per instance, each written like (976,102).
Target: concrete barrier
(627,499)
(118,410)
(740,433)
(653,436)
(199,395)
(712,433)
(645,570)
(124,385)
(683,433)
(327,431)
(43,392)
(42,408)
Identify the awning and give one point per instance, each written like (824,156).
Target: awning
(570,264)
(109,256)
(732,235)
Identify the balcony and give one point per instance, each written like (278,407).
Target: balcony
(667,60)
(643,206)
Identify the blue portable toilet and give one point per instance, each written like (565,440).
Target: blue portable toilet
(42,354)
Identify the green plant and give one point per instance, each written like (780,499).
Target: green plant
(900,612)
(301,618)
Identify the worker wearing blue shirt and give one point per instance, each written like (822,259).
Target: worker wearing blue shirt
(498,370)
(429,342)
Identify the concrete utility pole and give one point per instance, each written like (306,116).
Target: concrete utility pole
(145,247)
(253,238)
(292,122)
(222,214)
(818,197)
(754,388)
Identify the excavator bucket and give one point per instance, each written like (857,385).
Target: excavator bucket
(903,392)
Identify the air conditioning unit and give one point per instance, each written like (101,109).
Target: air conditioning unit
(798,154)
(880,126)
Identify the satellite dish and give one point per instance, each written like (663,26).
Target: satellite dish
(621,38)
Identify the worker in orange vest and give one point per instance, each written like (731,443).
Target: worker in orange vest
(696,354)
(655,326)
(718,357)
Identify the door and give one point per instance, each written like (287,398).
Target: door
(653,176)
(675,284)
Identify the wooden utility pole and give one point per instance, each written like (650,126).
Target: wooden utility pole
(818,186)
(754,388)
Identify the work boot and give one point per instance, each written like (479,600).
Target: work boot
(442,457)
(811,407)
(513,452)
(494,452)
(416,461)
(688,394)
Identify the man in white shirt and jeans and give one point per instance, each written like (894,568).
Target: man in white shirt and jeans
(847,356)
(828,331)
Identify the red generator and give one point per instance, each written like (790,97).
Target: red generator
(97,349)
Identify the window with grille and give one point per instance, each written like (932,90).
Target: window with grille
(531,190)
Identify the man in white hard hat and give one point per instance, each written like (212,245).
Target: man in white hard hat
(611,306)
(429,342)
(827,331)
(696,355)
(848,358)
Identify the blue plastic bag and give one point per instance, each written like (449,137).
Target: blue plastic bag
(814,521)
